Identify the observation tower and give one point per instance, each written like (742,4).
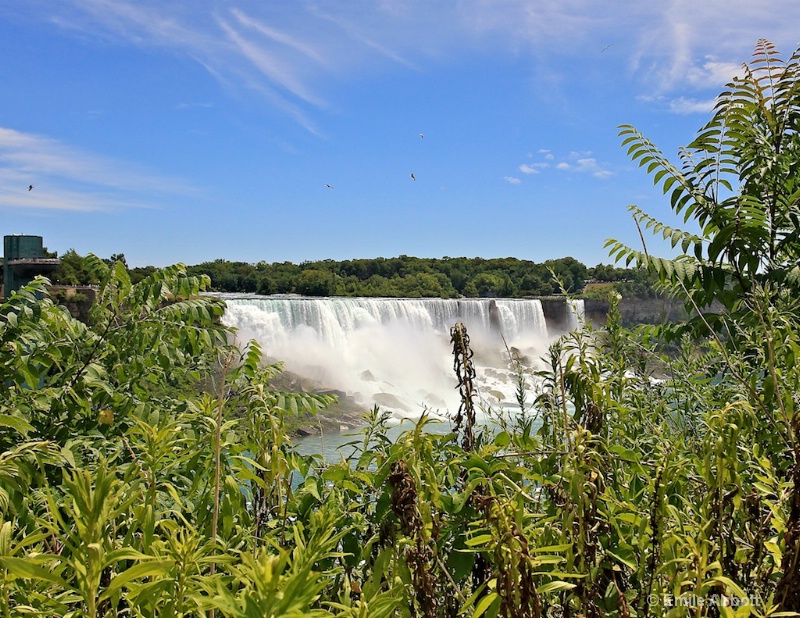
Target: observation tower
(23,259)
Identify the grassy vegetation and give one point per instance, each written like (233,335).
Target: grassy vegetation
(145,468)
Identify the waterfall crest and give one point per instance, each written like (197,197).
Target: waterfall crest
(393,352)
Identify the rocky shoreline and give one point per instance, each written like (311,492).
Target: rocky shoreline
(344,415)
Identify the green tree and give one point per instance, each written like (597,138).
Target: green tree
(314,282)
(117,257)
(118,456)
(72,270)
(739,181)
(488,284)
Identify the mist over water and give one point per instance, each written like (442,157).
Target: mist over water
(395,352)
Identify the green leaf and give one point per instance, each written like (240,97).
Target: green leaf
(16,423)
(480,540)
(30,568)
(460,563)
(502,439)
(555,587)
(552,548)
(149,568)
(491,599)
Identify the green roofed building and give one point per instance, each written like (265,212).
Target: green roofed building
(24,257)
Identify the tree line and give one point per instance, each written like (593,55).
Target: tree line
(400,277)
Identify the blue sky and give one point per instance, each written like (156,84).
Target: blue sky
(188,131)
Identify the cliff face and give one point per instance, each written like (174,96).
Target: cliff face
(651,311)
(635,311)
(77,299)
(556,315)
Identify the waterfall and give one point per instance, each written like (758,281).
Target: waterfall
(575,313)
(393,352)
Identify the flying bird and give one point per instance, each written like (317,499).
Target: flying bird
(422,136)
(30,187)
(606,47)
(327,185)
(412,178)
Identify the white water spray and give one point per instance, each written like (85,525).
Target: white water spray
(576,314)
(393,352)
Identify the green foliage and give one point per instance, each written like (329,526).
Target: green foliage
(146,469)
(403,277)
(738,182)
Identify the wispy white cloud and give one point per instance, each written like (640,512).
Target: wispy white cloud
(283,50)
(575,161)
(355,30)
(583,163)
(271,64)
(680,105)
(512,180)
(587,165)
(279,37)
(685,45)
(66,178)
(194,105)
(712,72)
(683,105)
(237,48)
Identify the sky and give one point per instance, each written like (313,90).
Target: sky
(295,130)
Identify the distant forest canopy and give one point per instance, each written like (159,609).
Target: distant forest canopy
(401,277)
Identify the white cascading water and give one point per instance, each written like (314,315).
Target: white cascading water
(394,352)
(575,313)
